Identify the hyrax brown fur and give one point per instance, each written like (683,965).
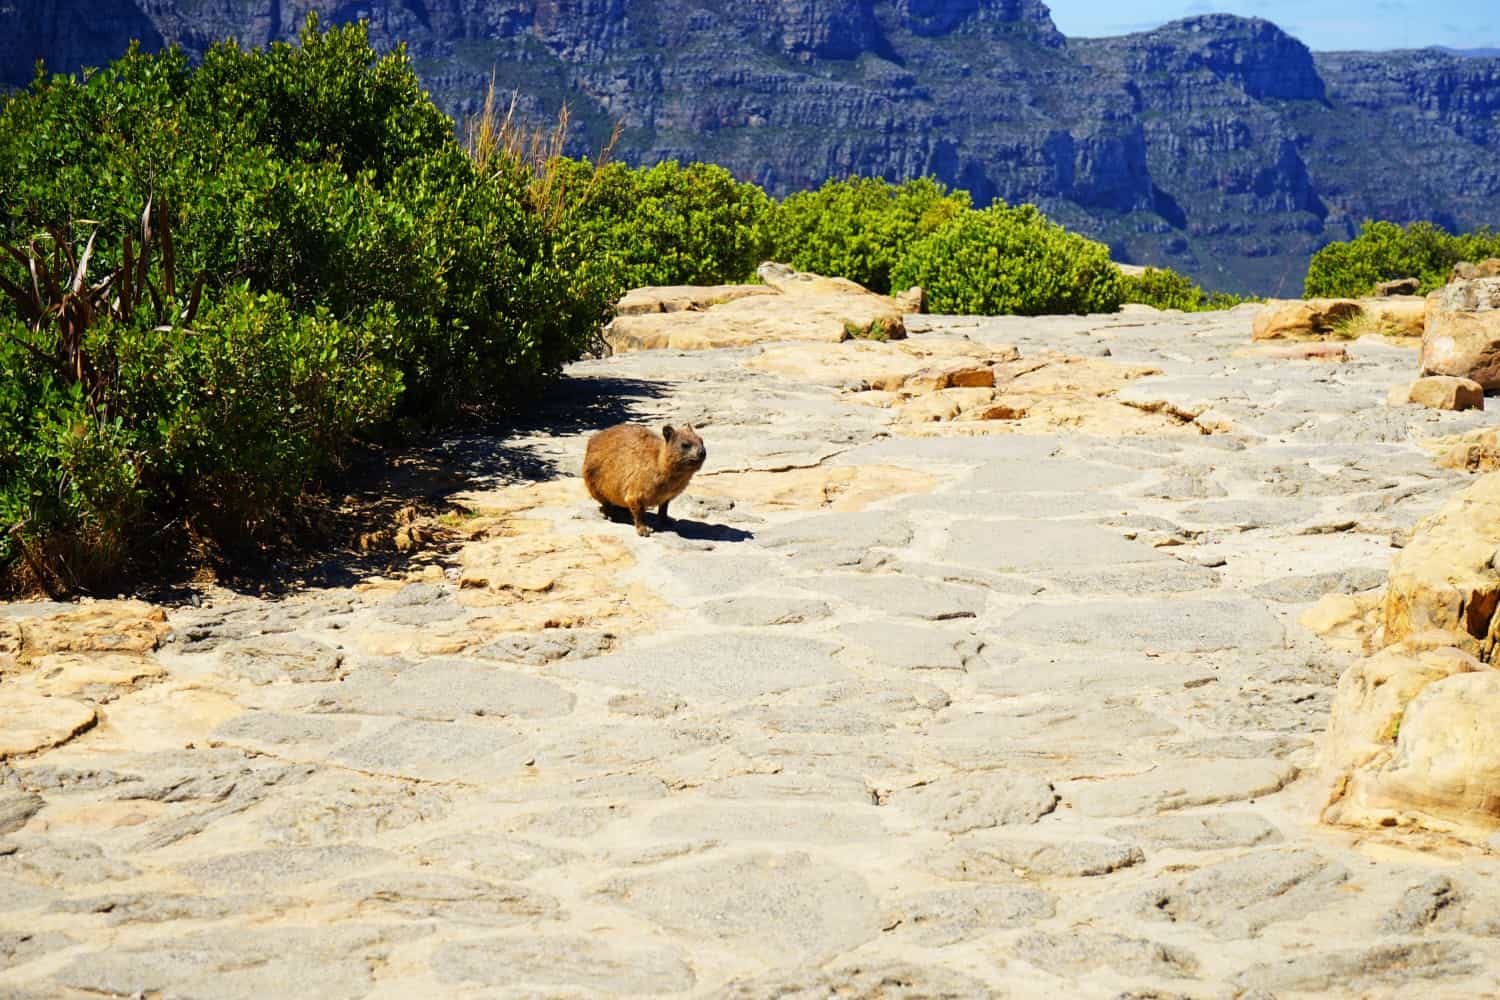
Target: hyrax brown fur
(629,466)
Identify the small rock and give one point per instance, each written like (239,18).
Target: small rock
(1400,286)
(16,809)
(1439,392)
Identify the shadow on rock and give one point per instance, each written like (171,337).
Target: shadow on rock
(327,542)
(701,531)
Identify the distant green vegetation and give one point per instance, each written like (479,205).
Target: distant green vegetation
(214,280)
(1385,251)
(860,228)
(1010,260)
(1169,290)
(665,225)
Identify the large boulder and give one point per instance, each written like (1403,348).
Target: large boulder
(790,306)
(1462,331)
(1445,578)
(1303,318)
(1412,741)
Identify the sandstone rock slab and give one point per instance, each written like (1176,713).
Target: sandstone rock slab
(1183,626)
(875,980)
(733,823)
(1021,546)
(552,963)
(1075,953)
(1239,897)
(948,916)
(1383,968)
(434,751)
(428,896)
(977,801)
(30,722)
(774,907)
(994,859)
(725,667)
(1410,741)
(444,690)
(1178,785)
(902,596)
(240,963)
(1210,831)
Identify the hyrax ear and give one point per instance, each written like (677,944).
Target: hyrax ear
(668,433)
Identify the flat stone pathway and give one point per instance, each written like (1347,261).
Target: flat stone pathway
(1044,725)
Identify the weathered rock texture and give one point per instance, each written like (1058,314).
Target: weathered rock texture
(1217,145)
(891,712)
(1440,392)
(1303,318)
(1462,335)
(1412,739)
(790,306)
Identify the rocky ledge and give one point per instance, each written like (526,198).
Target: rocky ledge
(922,696)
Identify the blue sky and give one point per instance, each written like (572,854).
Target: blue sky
(1322,24)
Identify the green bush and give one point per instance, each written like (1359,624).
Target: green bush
(224,424)
(1003,260)
(317,253)
(1165,289)
(665,225)
(1385,251)
(859,228)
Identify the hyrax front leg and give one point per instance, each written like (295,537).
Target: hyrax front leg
(661,513)
(638,515)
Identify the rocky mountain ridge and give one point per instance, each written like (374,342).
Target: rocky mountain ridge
(1217,145)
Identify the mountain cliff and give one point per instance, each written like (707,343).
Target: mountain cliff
(1217,145)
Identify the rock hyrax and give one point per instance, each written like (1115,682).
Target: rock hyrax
(628,466)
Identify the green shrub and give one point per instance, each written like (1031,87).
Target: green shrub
(263,399)
(1166,289)
(1385,251)
(665,225)
(319,254)
(70,482)
(1010,260)
(859,228)
(1163,289)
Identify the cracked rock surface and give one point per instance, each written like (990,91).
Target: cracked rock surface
(1010,702)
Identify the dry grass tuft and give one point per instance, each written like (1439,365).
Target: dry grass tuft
(501,143)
